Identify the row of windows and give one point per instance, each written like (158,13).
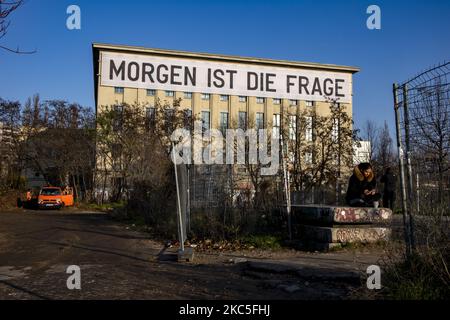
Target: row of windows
(259,123)
(242,124)
(242,121)
(207,96)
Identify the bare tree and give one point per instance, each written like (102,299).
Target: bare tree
(133,143)
(57,141)
(370,133)
(319,147)
(9,137)
(432,124)
(384,155)
(6,8)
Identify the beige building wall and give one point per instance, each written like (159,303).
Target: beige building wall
(107,96)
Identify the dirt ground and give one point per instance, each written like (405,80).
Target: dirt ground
(36,247)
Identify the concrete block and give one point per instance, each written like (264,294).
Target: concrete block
(329,215)
(186,256)
(343,234)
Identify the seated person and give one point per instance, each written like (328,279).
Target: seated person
(361,190)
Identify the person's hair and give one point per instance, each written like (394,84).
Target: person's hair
(364,166)
(388,169)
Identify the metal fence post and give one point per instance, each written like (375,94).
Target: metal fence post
(286,188)
(408,163)
(188,194)
(180,219)
(418,193)
(402,173)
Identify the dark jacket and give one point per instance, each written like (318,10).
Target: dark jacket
(358,183)
(389,180)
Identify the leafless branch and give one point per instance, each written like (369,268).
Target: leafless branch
(6,8)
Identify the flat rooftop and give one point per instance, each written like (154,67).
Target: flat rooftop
(220,57)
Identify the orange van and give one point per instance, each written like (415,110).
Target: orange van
(54,197)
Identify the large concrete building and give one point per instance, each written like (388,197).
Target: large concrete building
(221,90)
(218,85)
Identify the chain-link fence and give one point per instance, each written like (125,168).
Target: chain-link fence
(422,110)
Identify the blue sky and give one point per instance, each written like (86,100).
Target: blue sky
(414,36)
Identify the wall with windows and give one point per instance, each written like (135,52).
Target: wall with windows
(259,110)
(221,111)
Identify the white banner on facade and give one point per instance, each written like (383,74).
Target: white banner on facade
(154,72)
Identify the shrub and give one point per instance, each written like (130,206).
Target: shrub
(425,274)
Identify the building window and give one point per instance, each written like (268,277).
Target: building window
(205,121)
(170,93)
(293,102)
(276,101)
(242,99)
(223,97)
(118,89)
(188,95)
(205,96)
(276,125)
(259,120)
(309,128)
(291,156)
(242,120)
(242,170)
(310,103)
(223,122)
(259,100)
(293,127)
(187,114)
(151,92)
(335,130)
(150,116)
(169,117)
(308,158)
(118,120)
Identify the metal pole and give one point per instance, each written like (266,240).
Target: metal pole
(402,173)
(408,163)
(287,189)
(418,193)
(180,220)
(338,189)
(188,192)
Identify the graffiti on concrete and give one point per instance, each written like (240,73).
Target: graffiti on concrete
(361,215)
(347,215)
(349,235)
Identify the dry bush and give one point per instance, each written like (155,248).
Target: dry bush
(424,275)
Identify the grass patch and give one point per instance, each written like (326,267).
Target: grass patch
(106,207)
(136,221)
(416,279)
(263,242)
(380,244)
